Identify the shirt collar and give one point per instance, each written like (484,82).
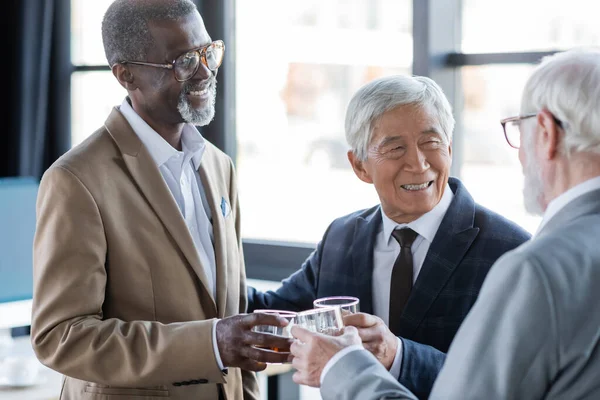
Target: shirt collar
(562,200)
(192,142)
(427,224)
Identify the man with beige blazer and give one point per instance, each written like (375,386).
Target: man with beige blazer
(534,332)
(138,267)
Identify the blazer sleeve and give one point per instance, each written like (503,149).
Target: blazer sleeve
(298,291)
(68,331)
(507,346)
(360,376)
(249,378)
(421,365)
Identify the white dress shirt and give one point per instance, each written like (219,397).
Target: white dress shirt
(562,200)
(179,170)
(386,251)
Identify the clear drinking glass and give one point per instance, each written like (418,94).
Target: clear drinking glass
(276,330)
(348,304)
(326,320)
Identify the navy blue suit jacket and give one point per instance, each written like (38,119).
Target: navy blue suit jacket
(469,240)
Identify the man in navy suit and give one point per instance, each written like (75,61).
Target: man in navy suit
(418,259)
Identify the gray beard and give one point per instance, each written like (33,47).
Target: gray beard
(198,117)
(533,188)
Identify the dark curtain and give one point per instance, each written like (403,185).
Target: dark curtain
(38,110)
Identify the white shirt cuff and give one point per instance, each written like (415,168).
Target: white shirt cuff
(397,364)
(337,357)
(216,346)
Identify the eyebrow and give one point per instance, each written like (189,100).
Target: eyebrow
(390,139)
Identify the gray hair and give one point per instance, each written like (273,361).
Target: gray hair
(567,84)
(377,97)
(125,32)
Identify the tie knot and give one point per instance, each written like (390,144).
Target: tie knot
(405,236)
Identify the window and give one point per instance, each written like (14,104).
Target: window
(86,37)
(296,73)
(94,91)
(520,33)
(515,25)
(490,167)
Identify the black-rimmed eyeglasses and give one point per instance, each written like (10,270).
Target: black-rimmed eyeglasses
(512,130)
(186,65)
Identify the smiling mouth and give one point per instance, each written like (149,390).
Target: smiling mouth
(199,92)
(415,187)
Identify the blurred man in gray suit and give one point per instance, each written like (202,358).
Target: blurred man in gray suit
(534,332)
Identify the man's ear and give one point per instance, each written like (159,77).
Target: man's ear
(124,76)
(549,135)
(359,168)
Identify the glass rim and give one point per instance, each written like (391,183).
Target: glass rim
(319,310)
(283,313)
(351,301)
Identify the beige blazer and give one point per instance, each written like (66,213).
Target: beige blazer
(121,304)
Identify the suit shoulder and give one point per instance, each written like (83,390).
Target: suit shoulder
(342,228)
(88,155)
(572,247)
(350,219)
(495,226)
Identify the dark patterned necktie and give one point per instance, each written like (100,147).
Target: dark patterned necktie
(402,277)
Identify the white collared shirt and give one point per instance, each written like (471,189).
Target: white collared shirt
(179,169)
(385,252)
(562,200)
(387,249)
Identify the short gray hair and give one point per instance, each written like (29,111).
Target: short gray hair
(377,97)
(125,32)
(567,84)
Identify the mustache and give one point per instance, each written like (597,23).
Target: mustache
(207,84)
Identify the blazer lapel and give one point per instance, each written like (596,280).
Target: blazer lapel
(218,223)
(365,233)
(452,240)
(147,176)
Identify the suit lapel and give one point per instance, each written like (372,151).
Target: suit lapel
(362,249)
(148,178)
(452,240)
(218,223)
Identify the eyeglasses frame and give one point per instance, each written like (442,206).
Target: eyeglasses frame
(504,121)
(171,66)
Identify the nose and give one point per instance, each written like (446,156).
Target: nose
(203,73)
(415,160)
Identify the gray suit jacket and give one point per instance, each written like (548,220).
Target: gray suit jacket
(534,332)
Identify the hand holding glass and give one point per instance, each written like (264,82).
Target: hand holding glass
(276,330)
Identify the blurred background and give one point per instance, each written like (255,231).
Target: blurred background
(291,66)
(297,64)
